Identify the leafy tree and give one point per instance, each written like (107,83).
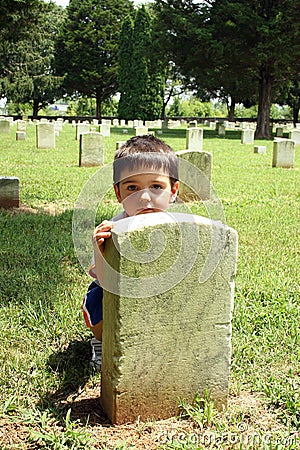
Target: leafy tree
(290,95)
(267,38)
(87,47)
(234,48)
(28,77)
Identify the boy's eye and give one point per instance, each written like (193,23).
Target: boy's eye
(131,187)
(156,187)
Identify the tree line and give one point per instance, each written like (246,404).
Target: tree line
(241,52)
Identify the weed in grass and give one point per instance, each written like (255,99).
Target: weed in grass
(50,437)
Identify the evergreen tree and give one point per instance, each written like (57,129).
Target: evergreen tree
(140,63)
(125,73)
(141,76)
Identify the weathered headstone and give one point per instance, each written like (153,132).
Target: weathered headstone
(21,125)
(20,136)
(194,139)
(105,129)
(140,131)
(167,319)
(9,192)
(91,149)
(279,132)
(81,128)
(294,135)
(45,135)
(283,153)
(221,129)
(194,175)
(4,127)
(247,136)
(260,149)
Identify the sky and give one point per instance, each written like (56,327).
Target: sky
(66,2)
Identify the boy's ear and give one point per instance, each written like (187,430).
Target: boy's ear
(175,188)
(117,192)
(174,192)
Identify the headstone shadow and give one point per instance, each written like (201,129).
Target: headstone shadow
(74,391)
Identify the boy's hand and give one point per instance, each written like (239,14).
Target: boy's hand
(101,233)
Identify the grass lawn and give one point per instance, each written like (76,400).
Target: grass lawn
(49,397)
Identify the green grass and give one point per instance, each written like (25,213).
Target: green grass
(44,349)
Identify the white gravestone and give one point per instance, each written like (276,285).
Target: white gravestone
(45,135)
(81,128)
(194,139)
(91,149)
(247,136)
(283,153)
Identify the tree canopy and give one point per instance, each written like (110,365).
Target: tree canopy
(87,47)
(234,48)
(27,54)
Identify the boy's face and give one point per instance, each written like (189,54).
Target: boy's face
(145,192)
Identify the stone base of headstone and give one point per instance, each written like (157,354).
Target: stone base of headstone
(194,175)
(9,192)
(20,136)
(167,327)
(283,153)
(260,149)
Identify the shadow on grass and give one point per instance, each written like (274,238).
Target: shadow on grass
(78,389)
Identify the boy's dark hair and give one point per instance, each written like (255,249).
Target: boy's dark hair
(146,152)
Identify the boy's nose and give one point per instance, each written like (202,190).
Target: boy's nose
(145,196)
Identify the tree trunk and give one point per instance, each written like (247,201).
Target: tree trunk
(264,105)
(231,110)
(35,108)
(295,115)
(98,105)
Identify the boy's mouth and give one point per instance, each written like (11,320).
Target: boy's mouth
(147,210)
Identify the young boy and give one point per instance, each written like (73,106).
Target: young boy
(145,181)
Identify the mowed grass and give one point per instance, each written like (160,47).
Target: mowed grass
(48,394)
